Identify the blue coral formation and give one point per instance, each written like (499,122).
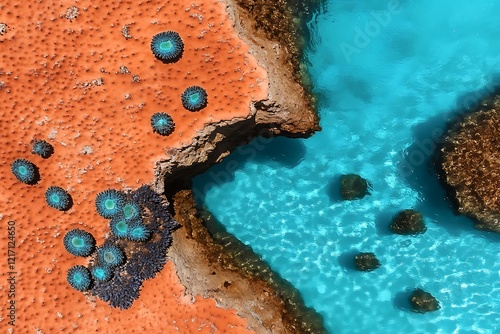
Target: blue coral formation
(119,227)
(79,278)
(167,46)
(132,211)
(109,203)
(162,123)
(110,255)
(101,273)
(79,242)
(58,198)
(194,98)
(42,148)
(138,232)
(147,259)
(25,171)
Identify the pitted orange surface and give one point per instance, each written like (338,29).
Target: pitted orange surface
(89,85)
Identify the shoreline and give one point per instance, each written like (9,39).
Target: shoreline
(206,266)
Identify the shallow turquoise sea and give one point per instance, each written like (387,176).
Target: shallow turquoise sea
(388,76)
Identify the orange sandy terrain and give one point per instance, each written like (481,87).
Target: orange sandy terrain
(60,80)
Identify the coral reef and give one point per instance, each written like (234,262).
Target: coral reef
(110,255)
(194,98)
(423,302)
(353,187)
(139,232)
(470,163)
(408,222)
(79,278)
(25,171)
(79,242)
(119,227)
(101,273)
(109,203)
(167,46)
(42,148)
(366,262)
(144,260)
(58,198)
(162,123)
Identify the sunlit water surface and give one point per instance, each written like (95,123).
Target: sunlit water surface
(388,75)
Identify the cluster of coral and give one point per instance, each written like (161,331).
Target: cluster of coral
(82,90)
(141,228)
(470,161)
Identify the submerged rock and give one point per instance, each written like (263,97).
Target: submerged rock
(408,222)
(470,163)
(423,302)
(366,262)
(353,186)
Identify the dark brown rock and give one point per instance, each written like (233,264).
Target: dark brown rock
(423,302)
(366,262)
(353,186)
(408,222)
(470,162)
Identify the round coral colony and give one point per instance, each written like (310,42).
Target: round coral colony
(162,123)
(167,46)
(119,228)
(79,278)
(101,273)
(58,198)
(25,171)
(42,148)
(194,98)
(79,242)
(109,203)
(132,211)
(138,232)
(110,256)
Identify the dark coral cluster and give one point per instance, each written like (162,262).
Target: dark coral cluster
(353,186)
(141,229)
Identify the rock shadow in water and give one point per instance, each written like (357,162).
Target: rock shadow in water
(333,189)
(286,152)
(401,300)
(346,260)
(419,167)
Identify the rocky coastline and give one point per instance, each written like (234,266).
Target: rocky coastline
(218,265)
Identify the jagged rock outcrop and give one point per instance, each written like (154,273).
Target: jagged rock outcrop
(470,162)
(423,302)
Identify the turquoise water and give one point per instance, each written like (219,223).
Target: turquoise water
(387,77)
